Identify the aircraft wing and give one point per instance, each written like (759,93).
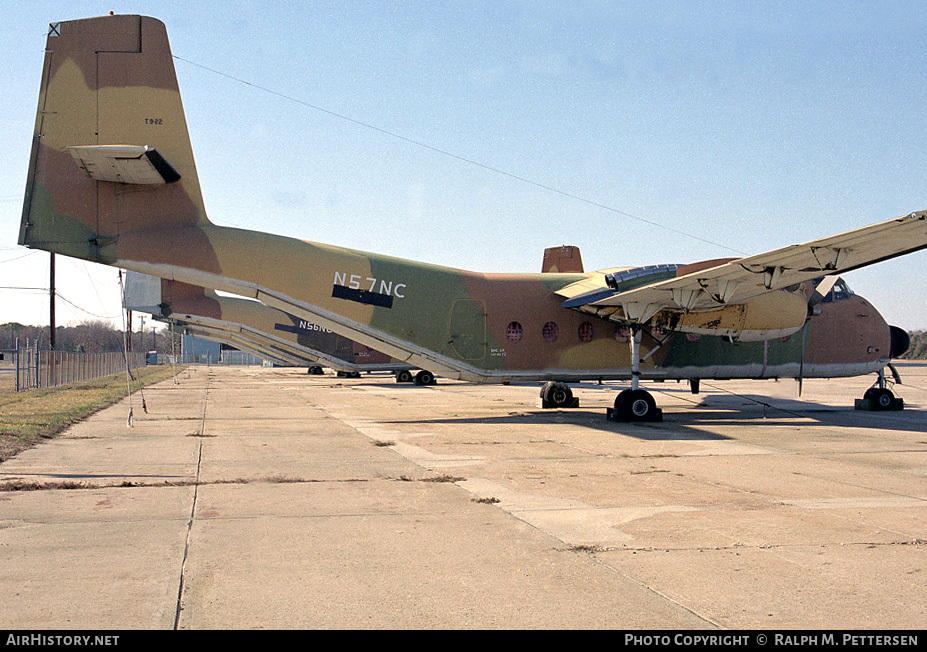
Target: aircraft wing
(742,279)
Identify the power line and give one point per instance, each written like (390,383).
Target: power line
(74,305)
(18,257)
(452,155)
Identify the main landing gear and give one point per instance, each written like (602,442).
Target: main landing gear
(635,404)
(423,377)
(557,395)
(879,397)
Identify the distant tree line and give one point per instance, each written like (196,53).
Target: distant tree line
(918,348)
(88,336)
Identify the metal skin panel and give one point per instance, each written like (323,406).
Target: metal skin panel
(403,308)
(243,322)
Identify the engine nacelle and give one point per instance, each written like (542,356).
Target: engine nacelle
(769,316)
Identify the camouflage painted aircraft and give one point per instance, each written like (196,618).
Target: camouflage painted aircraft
(253,327)
(112,179)
(276,336)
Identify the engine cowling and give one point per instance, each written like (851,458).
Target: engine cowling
(769,316)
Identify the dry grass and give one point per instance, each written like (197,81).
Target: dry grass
(30,416)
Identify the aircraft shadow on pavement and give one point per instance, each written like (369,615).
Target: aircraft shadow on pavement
(762,410)
(693,423)
(594,419)
(689,422)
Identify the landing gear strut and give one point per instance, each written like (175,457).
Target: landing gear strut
(635,404)
(879,397)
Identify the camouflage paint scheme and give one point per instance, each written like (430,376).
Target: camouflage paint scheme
(110,81)
(245,323)
(272,334)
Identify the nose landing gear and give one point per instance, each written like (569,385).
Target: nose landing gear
(879,397)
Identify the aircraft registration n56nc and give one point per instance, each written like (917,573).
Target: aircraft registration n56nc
(112,179)
(251,326)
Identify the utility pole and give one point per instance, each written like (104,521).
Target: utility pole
(51,303)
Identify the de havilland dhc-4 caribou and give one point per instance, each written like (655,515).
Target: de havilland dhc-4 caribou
(112,180)
(274,335)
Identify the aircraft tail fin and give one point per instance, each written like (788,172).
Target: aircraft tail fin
(562,259)
(111,153)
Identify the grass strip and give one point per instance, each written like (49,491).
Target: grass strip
(30,416)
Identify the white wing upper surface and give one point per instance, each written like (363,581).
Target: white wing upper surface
(742,279)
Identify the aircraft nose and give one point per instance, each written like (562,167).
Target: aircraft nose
(900,341)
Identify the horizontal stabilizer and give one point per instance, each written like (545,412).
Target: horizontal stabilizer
(128,164)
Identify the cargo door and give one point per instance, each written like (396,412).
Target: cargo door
(467,330)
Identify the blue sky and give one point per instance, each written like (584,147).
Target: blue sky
(475,134)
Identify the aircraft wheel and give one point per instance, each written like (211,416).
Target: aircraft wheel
(424,378)
(557,395)
(404,376)
(636,405)
(879,398)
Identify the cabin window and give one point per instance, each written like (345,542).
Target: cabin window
(514,331)
(550,332)
(585,332)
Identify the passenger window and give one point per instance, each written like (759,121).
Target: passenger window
(585,332)
(550,332)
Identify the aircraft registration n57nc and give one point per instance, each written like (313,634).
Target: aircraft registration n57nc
(251,326)
(277,336)
(112,179)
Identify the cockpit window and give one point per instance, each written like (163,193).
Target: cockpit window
(840,291)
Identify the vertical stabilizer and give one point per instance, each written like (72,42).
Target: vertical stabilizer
(111,152)
(563,259)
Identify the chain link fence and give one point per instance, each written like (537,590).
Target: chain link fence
(42,368)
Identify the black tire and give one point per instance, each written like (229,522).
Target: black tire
(879,399)
(559,395)
(635,405)
(404,376)
(424,378)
